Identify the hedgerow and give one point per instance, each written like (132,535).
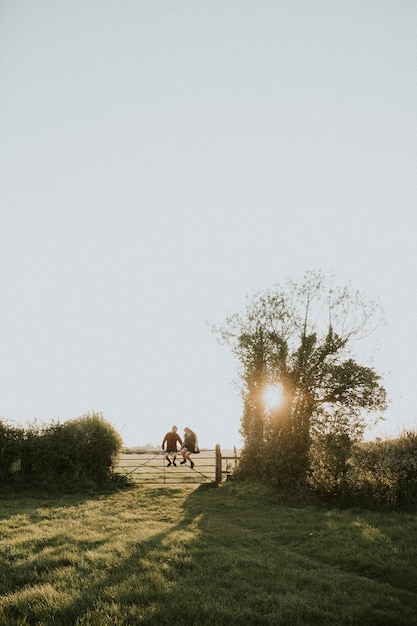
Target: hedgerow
(78,450)
(384,472)
(380,473)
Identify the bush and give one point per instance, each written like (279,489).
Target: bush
(372,474)
(329,457)
(81,449)
(91,443)
(10,450)
(385,472)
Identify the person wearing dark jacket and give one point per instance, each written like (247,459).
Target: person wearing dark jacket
(189,446)
(170,451)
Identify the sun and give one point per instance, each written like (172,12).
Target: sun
(273,396)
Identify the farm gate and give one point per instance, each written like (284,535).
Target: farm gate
(150,467)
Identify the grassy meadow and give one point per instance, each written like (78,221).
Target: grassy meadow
(201,555)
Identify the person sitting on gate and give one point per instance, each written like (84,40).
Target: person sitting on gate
(171,440)
(189,446)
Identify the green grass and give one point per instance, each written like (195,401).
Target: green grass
(201,556)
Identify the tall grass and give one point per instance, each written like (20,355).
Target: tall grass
(202,556)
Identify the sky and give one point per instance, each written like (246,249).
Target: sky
(161,161)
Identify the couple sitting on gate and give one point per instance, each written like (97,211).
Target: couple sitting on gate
(187,447)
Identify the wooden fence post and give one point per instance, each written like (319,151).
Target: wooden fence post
(218,464)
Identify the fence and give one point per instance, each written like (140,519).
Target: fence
(151,467)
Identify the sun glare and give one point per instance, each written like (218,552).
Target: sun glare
(273,396)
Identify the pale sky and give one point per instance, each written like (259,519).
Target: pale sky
(160,161)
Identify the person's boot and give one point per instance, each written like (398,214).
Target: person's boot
(169,463)
(174,464)
(184,461)
(192,464)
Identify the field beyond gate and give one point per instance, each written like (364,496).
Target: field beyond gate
(151,467)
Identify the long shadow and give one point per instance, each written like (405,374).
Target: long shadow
(14,575)
(96,589)
(28,509)
(250,598)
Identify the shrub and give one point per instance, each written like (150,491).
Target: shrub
(385,472)
(91,444)
(329,464)
(81,449)
(10,450)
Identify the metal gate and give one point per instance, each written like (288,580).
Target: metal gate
(150,467)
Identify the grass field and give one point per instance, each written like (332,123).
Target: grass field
(202,555)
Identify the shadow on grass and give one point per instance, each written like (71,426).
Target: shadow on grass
(227,556)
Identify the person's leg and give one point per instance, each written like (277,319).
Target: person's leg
(188,458)
(184,452)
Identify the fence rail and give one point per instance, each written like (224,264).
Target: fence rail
(151,467)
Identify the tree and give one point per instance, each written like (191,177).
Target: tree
(300,337)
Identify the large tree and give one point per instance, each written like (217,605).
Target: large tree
(300,337)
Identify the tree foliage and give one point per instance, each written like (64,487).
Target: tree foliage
(301,337)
